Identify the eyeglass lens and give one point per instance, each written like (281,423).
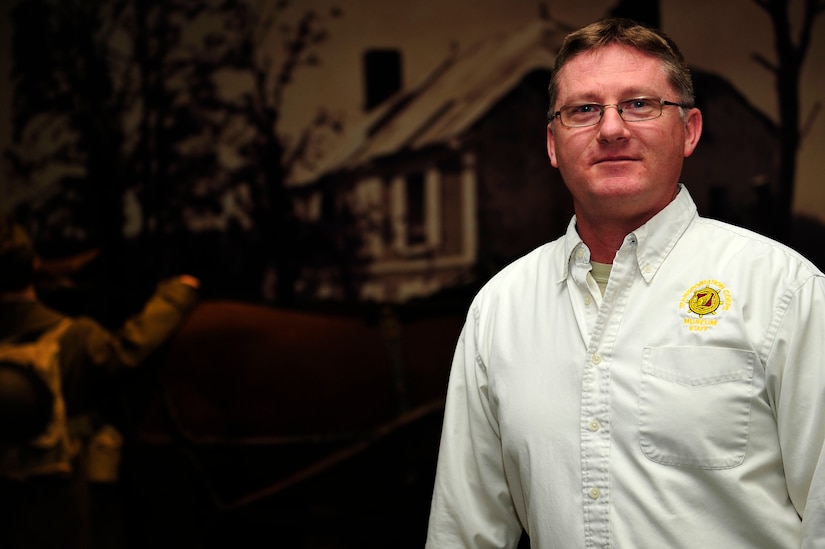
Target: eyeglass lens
(631,110)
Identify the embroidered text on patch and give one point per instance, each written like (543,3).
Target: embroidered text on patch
(701,302)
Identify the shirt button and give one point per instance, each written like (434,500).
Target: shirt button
(594,425)
(594,493)
(580,254)
(597,359)
(647,269)
(588,300)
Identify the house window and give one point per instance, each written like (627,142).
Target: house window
(452,218)
(429,212)
(416,210)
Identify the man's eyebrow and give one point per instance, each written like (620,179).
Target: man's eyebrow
(633,93)
(580,99)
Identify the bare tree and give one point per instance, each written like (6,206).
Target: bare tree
(139,93)
(790,58)
(268,47)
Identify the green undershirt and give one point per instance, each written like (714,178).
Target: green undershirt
(601,274)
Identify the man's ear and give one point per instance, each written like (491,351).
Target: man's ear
(551,145)
(693,130)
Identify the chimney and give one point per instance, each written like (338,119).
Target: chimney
(382,76)
(647,12)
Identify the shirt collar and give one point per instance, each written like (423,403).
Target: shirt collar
(653,240)
(572,244)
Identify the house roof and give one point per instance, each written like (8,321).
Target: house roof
(443,105)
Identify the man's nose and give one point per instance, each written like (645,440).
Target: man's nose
(612,125)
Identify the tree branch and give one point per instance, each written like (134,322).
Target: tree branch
(813,9)
(765,62)
(809,120)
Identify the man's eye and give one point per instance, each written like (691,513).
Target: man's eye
(584,109)
(641,103)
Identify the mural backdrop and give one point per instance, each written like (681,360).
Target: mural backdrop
(342,176)
(315,152)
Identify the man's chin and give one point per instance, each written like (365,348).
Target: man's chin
(618,188)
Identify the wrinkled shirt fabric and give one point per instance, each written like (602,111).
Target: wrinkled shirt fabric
(684,408)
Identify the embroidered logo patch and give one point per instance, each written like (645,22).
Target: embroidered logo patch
(704,301)
(701,303)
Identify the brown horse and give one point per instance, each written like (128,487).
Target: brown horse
(260,400)
(242,372)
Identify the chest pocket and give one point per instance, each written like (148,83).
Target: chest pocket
(695,404)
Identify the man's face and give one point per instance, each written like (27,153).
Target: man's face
(617,171)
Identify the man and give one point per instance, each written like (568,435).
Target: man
(651,379)
(43,494)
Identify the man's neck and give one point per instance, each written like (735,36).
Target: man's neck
(604,229)
(603,241)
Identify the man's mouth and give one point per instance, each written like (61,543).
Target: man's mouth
(615,159)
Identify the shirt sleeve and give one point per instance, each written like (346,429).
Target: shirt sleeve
(471,505)
(89,345)
(799,357)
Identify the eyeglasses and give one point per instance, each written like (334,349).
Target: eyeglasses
(638,109)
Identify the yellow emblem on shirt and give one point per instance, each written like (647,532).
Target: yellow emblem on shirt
(702,302)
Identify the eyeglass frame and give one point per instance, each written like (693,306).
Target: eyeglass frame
(603,107)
